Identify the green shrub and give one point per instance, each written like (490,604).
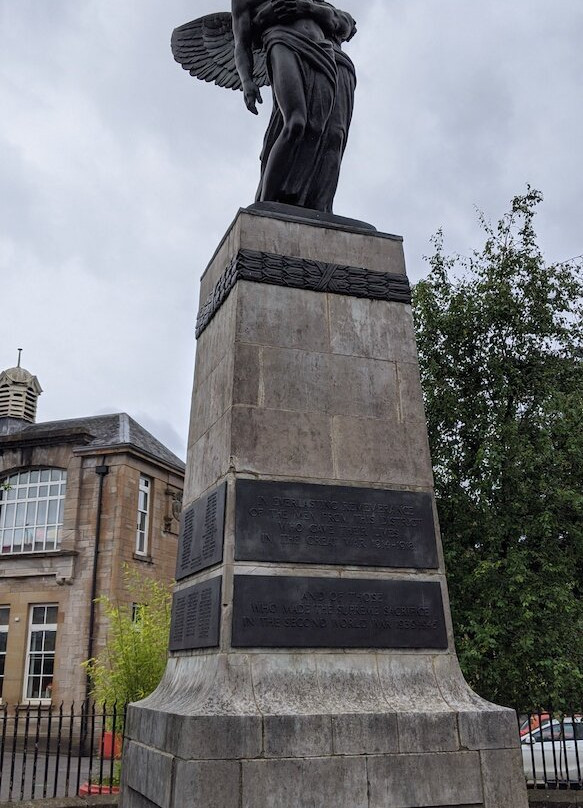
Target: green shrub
(133,660)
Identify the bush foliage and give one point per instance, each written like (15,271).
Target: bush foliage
(133,660)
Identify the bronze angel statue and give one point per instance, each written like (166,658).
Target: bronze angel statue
(294,46)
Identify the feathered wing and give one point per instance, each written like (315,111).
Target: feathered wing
(206,48)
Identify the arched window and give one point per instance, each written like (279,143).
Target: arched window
(31,511)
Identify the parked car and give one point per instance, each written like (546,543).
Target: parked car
(553,753)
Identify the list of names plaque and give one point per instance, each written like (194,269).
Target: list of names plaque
(200,544)
(196,614)
(305,612)
(303,523)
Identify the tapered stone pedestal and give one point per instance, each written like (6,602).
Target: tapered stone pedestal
(313,661)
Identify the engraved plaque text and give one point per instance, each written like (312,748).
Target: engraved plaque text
(201,534)
(302,612)
(196,614)
(329,524)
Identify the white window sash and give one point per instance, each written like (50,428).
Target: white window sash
(31,511)
(143,515)
(4,631)
(45,628)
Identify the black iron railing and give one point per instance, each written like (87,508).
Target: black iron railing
(58,751)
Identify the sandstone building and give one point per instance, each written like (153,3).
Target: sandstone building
(78,499)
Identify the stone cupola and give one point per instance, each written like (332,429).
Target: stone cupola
(19,392)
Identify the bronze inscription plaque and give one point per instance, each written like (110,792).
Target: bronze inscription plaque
(200,544)
(196,616)
(329,524)
(302,612)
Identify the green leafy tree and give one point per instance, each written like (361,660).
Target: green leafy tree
(133,660)
(500,337)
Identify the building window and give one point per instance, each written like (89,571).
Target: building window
(40,657)
(143,516)
(4,621)
(31,511)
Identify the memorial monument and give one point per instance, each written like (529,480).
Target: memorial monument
(312,660)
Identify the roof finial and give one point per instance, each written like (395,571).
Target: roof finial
(19,355)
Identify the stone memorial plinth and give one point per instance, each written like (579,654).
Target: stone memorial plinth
(312,656)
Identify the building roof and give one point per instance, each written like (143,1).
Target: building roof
(10,425)
(99,432)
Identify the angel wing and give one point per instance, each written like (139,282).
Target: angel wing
(206,48)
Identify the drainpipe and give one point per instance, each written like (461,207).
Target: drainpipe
(102,471)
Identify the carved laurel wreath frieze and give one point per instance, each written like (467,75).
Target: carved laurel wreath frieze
(300,273)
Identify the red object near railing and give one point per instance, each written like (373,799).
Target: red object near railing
(111,745)
(89,789)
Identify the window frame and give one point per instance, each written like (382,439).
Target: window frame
(42,654)
(4,631)
(142,542)
(32,506)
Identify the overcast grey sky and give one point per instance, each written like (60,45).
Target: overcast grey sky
(119,172)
